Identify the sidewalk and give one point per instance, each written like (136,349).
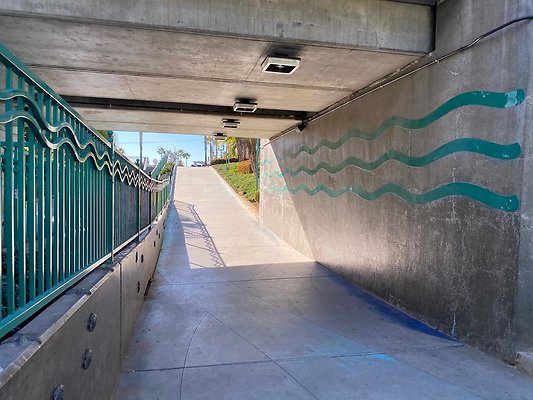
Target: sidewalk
(235,313)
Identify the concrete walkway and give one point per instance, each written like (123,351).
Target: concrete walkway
(235,313)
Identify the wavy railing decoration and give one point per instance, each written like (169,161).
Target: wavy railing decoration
(68,200)
(469,145)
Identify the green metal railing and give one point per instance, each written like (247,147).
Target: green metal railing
(68,200)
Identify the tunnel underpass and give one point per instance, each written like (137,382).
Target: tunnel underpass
(395,198)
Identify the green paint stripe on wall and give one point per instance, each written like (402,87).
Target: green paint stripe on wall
(479,98)
(489,149)
(464,189)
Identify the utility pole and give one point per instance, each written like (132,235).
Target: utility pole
(141,147)
(257,164)
(205,150)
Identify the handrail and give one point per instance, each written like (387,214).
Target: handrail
(159,167)
(68,203)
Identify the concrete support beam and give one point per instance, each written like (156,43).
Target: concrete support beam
(368,24)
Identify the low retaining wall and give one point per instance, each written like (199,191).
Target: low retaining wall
(73,349)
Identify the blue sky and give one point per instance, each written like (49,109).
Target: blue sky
(129,141)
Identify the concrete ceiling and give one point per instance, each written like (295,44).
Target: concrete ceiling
(185,123)
(422,2)
(94,56)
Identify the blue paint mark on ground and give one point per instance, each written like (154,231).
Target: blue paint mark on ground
(381,357)
(394,315)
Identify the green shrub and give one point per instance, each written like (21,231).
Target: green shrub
(244,167)
(217,161)
(167,170)
(241,183)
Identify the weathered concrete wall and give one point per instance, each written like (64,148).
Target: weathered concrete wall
(135,280)
(524,294)
(450,256)
(52,348)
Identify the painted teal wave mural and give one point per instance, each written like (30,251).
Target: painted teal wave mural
(480,146)
(463,189)
(265,162)
(479,98)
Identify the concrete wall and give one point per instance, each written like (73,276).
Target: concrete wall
(524,294)
(51,350)
(453,257)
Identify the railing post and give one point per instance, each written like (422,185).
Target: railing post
(9,205)
(139,188)
(111,200)
(31,220)
(150,191)
(20,230)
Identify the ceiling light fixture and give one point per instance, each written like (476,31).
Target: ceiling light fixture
(245,107)
(280,65)
(219,136)
(230,123)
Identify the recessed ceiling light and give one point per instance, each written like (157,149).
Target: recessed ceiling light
(230,123)
(280,65)
(219,136)
(239,106)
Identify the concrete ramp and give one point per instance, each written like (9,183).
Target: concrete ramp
(235,313)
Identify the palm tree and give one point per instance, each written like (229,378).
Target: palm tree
(231,147)
(209,141)
(246,148)
(161,151)
(170,155)
(186,156)
(179,156)
(217,143)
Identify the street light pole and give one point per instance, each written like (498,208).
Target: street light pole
(205,150)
